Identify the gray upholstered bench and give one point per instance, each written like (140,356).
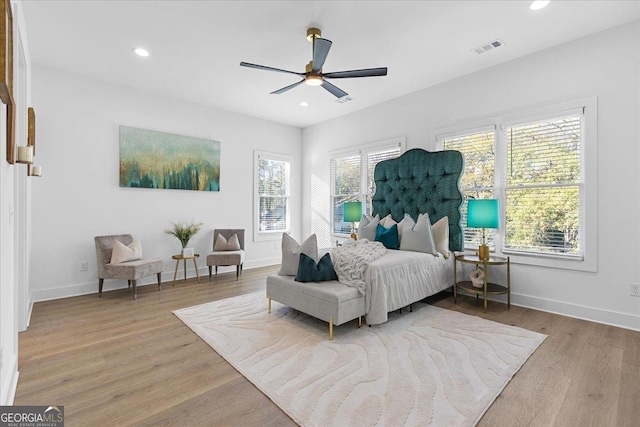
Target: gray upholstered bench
(333,302)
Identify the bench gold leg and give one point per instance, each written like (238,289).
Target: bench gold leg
(330,328)
(269,310)
(359,321)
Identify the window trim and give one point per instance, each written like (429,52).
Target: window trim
(588,178)
(359,150)
(261,236)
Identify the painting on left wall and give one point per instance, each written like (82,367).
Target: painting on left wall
(152,159)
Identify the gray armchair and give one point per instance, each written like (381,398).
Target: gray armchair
(228,257)
(130,271)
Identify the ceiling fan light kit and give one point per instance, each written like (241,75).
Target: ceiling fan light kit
(313,75)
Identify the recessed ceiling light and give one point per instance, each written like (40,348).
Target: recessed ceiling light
(538,4)
(304,104)
(141,51)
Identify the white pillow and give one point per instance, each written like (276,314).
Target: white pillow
(368,227)
(418,237)
(291,251)
(122,253)
(222,244)
(388,222)
(440,232)
(403,223)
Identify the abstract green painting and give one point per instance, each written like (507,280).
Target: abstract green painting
(151,159)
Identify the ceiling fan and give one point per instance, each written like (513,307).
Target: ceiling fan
(313,76)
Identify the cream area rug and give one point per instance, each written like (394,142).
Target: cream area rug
(430,367)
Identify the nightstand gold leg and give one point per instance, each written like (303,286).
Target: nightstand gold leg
(269,309)
(455,281)
(508,283)
(195,265)
(175,273)
(359,321)
(486,281)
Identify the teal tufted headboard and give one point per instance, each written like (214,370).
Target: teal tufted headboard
(421,181)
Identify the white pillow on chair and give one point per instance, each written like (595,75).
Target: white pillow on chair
(123,253)
(222,244)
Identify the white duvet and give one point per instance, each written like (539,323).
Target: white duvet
(400,278)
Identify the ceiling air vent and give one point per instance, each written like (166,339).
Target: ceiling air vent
(488,46)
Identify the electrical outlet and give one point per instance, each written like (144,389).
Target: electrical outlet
(635,289)
(84,265)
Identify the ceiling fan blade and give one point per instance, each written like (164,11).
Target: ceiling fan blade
(286,88)
(336,91)
(320,51)
(264,67)
(367,72)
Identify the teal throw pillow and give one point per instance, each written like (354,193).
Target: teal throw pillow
(309,271)
(388,236)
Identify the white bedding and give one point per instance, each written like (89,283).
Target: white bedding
(400,278)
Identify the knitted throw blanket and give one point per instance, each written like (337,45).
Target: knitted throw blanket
(352,259)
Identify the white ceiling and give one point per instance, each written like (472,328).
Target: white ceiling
(196,46)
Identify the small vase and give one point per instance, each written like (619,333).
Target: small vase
(187,252)
(477,278)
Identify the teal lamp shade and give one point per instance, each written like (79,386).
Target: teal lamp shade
(352,211)
(483,213)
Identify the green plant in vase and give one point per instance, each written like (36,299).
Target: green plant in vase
(184,231)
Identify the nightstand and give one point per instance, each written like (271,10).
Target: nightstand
(488,288)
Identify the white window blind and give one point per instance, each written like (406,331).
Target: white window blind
(345,176)
(372,160)
(273,194)
(543,185)
(478,179)
(352,180)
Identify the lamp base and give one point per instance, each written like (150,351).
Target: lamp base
(354,236)
(483,252)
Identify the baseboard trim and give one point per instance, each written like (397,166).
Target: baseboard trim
(582,312)
(110,285)
(592,314)
(10,393)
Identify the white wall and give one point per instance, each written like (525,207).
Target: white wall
(79,195)
(14,218)
(605,65)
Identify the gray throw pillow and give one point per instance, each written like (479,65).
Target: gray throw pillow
(291,251)
(368,228)
(418,238)
(222,244)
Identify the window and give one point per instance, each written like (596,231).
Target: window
(543,185)
(272,181)
(535,163)
(352,179)
(477,181)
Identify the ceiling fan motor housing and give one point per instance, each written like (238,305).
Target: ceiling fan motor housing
(312,33)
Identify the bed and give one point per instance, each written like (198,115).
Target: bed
(417,182)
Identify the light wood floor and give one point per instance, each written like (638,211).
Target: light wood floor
(114,361)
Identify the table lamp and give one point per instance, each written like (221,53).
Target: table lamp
(353,214)
(483,213)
